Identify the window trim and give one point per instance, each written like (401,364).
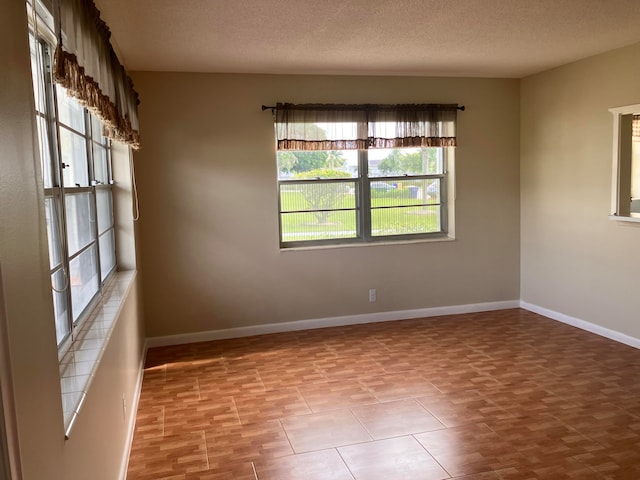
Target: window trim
(363,207)
(619,152)
(58,193)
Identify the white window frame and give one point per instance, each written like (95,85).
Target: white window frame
(58,194)
(621,163)
(362,184)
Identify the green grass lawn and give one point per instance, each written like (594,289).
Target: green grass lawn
(406,216)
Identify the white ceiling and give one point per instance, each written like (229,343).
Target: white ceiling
(485,38)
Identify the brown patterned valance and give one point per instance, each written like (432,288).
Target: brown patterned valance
(359,127)
(87,67)
(635,127)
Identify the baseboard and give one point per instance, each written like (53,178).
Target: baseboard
(583,324)
(327,322)
(132,415)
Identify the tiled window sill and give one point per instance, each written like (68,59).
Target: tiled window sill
(80,362)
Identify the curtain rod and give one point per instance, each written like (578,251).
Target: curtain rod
(273,107)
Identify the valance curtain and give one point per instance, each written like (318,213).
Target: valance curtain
(87,66)
(635,126)
(359,127)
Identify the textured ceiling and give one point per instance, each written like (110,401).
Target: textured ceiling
(485,38)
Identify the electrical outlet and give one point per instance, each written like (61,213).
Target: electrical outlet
(372,295)
(124,406)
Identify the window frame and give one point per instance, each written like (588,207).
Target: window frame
(57,195)
(622,163)
(363,208)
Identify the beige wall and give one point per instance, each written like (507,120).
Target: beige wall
(209,225)
(574,259)
(98,441)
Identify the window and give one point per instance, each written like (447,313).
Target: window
(76,170)
(626,163)
(364,173)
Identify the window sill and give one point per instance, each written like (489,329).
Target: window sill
(79,364)
(619,218)
(369,244)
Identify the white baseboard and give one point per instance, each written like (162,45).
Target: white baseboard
(327,322)
(132,415)
(583,325)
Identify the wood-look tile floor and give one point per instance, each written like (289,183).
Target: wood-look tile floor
(505,395)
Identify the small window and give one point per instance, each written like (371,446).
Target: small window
(626,163)
(352,174)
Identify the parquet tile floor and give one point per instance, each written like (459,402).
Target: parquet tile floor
(507,395)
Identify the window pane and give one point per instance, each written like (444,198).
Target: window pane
(394,193)
(105,212)
(405,220)
(80,221)
(318,210)
(59,284)
(317,164)
(107,254)
(53,231)
(84,280)
(70,112)
(305,226)
(45,152)
(315,196)
(100,166)
(405,161)
(97,130)
(36,74)
(74,157)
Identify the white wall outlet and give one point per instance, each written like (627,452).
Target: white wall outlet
(373,295)
(124,406)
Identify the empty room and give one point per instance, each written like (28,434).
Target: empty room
(260,240)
